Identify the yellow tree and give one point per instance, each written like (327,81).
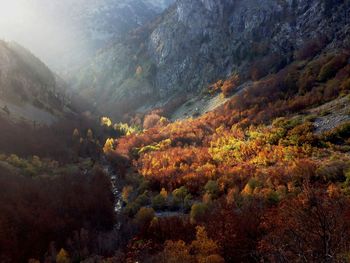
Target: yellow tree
(206,249)
(176,252)
(164,193)
(109,146)
(105,121)
(63,257)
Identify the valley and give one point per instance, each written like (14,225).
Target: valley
(178,132)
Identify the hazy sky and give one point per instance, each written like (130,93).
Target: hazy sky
(38,26)
(64,33)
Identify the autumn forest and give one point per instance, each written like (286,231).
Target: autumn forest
(252,165)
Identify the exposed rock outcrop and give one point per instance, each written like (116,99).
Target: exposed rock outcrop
(196,42)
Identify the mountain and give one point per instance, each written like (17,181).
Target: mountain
(28,89)
(76,29)
(195,43)
(97,23)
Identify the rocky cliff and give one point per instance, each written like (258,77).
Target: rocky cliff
(196,42)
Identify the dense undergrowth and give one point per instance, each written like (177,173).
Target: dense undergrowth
(53,192)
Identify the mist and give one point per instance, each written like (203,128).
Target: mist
(66,33)
(49,29)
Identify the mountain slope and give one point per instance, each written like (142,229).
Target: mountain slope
(28,89)
(194,43)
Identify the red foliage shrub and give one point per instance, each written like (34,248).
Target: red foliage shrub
(265,65)
(171,228)
(215,87)
(151,120)
(311,48)
(229,85)
(236,232)
(313,227)
(330,69)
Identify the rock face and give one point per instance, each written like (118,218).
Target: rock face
(205,39)
(196,42)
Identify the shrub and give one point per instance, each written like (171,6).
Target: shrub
(302,134)
(332,172)
(212,89)
(179,195)
(151,120)
(338,134)
(198,212)
(158,202)
(273,197)
(206,249)
(230,84)
(308,76)
(126,193)
(144,216)
(311,48)
(132,208)
(330,69)
(345,85)
(124,129)
(212,188)
(249,188)
(265,65)
(142,199)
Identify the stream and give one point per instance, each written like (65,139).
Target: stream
(118,204)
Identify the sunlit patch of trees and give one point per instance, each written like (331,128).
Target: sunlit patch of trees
(250,173)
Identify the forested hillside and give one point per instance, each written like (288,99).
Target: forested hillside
(262,178)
